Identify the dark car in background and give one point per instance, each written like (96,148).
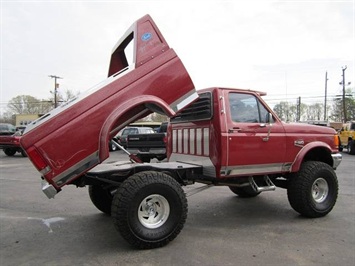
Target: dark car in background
(122,139)
(7,129)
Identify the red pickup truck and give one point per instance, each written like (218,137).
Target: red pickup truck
(226,137)
(10,144)
(10,140)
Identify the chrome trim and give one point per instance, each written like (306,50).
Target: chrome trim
(157,151)
(206,141)
(269,185)
(184,101)
(199,141)
(45,170)
(76,169)
(337,157)
(254,169)
(48,189)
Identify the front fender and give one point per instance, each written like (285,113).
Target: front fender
(128,112)
(316,150)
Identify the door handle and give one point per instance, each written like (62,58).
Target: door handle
(234,129)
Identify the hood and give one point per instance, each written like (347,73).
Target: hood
(308,129)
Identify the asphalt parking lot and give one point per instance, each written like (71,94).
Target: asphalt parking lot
(221,229)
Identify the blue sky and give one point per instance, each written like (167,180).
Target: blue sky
(281,47)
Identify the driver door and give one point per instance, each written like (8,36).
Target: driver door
(255,145)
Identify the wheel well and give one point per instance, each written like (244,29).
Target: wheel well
(126,113)
(319,154)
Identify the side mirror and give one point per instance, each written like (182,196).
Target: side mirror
(268,118)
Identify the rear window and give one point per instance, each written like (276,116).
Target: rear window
(147,131)
(129,131)
(7,128)
(133,130)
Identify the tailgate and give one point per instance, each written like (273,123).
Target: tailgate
(145,141)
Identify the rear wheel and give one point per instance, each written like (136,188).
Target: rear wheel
(313,191)
(10,151)
(149,209)
(244,192)
(101,197)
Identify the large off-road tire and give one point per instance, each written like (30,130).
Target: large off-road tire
(149,209)
(9,151)
(101,198)
(244,192)
(313,191)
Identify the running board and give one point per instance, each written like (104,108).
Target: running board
(269,186)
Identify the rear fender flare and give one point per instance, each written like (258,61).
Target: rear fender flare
(140,103)
(296,165)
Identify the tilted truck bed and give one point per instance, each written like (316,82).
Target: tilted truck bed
(73,138)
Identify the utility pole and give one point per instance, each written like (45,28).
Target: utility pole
(343,82)
(298,109)
(325,97)
(56,85)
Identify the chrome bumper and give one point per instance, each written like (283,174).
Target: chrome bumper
(48,189)
(337,157)
(152,151)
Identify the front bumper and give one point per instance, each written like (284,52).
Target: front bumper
(337,157)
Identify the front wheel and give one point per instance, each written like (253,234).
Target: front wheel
(313,191)
(149,209)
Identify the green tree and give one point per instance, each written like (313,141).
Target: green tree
(63,97)
(26,104)
(315,111)
(337,113)
(286,111)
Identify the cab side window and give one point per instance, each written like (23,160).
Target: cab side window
(246,108)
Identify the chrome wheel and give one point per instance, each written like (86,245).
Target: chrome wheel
(320,190)
(153,211)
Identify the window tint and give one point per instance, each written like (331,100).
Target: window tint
(147,131)
(246,108)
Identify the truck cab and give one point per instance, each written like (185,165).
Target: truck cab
(235,133)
